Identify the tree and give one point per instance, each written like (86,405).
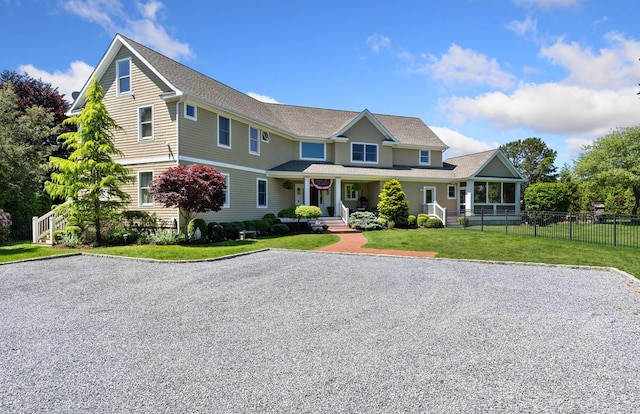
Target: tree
(193,189)
(554,196)
(23,157)
(90,177)
(613,161)
(532,158)
(393,204)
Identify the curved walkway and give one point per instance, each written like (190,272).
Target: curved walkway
(353,242)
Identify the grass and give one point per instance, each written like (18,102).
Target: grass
(454,243)
(457,243)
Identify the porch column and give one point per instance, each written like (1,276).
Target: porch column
(338,197)
(469,198)
(307,191)
(518,190)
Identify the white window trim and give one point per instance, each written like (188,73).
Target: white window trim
(195,112)
(130,91)
(219,144)
(140,203)
(227,191)
(324,151)
(347,192)
(153,114)
(424,194)
(455,191)
(266,195)
(365,153)
(420,157)
(258,132)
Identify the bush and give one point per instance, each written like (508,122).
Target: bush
(5,226)
(434,223)
(164,237)
(278,229)
(422,219)
(554,196)
(215,232)
(308,212)
(71,240)
(232,230)
(262,226)
(117,238)
(464,221)
(271,218)
(412,220)
(288,212)
(393,204)
(197,223)
(364,220)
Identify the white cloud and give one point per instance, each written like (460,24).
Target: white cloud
(548,4)
(112,17)
(262,98)
(377,42)
(528,26)
(551,108)
(460,144)
(460,65)
(575,146)
(71,80)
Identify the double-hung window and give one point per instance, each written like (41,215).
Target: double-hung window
(254,141)
(123,76)
(144,193)
(425,157)
(227,182)
(262,193)
(364,152)
(145,123)
(224,132)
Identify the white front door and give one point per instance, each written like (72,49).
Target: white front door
(429,199)
(299,189)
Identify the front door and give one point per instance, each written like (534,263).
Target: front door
(429,199)
(322,199)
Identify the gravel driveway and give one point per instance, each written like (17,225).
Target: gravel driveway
(286,331)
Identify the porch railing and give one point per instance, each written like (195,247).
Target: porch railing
(344,213)
(436,210)
(42,228)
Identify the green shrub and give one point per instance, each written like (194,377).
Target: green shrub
(434,223)
(308,212)
(249,225)
(382,221)
(215,232)
(71,240)
(164,237)
(412,220)
(464,221)
(272,218)
(232,230)
(364,220)
(278,229)
(554,196)
(262,226)
(288,212)
(422,219)
(197,223)
(117,238)
(393,204)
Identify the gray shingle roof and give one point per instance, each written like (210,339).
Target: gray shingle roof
(297,121)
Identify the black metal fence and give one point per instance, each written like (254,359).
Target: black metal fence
(615,230)
(20,230)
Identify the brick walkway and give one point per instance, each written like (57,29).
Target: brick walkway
(353,242)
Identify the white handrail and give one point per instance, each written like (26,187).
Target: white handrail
(42,228)
(435,209)
(344,213)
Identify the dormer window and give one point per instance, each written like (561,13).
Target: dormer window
(361,152)
(425,157)
(123,76)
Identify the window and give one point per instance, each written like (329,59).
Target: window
(364,152)
(451,192)
(312,151)
(495,192)
(351,192)
(224,132)
(479,192)
(190,112)
(123,76)
(508,192)
(262,193)
(144,193)
(425,157)
(254,141)
(145,123)
(226,190)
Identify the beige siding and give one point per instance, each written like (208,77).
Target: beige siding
(132,189)
(365,132)
(146,88)
(411,157)
(495,168)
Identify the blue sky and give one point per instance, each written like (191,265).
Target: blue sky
(480,73)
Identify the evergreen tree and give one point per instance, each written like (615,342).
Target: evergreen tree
(393,204)
(90,177)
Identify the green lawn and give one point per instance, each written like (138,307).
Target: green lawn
(457,243)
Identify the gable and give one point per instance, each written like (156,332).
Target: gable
(496,168)
(364,131)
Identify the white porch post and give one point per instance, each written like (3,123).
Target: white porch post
(518,190)
(469,197)
(307,191)
(338,197)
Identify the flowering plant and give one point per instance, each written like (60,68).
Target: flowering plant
(5,226)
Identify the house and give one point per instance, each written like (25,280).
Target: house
(338,160)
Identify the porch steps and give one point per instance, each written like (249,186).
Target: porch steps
(336,225)
(452,221)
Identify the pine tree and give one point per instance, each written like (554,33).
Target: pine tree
(90,177)
(393,204)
